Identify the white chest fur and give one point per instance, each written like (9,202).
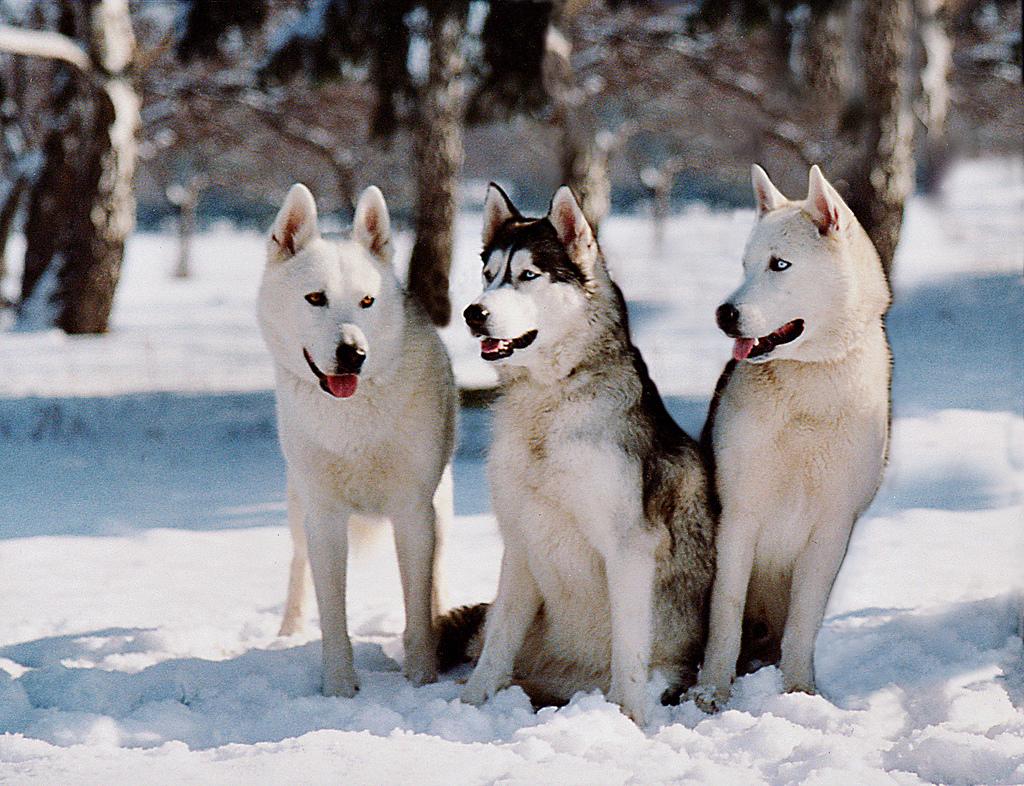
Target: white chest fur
(554,480)
(801,439)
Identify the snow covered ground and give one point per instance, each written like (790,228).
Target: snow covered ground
(143,550)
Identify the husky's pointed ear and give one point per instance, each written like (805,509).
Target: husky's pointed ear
(568,220)
(295,225)
(372,224)
(767,196)
(498,209)
(823,202)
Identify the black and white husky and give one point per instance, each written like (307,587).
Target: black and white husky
(601,499)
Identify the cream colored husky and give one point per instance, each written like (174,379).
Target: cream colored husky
(365,411)
(799,429)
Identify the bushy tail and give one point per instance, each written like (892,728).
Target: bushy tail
(456,631)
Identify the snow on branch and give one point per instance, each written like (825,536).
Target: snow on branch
(43,43)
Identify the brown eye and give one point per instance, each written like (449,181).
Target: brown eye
(366,302)
(316,299)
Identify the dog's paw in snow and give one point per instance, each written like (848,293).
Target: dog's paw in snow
(632,702)
(708,698)
(420,668)
(635,712)
(480,688)
(799,686)
(341,683)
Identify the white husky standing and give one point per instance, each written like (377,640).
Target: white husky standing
(799,428)
(366,412)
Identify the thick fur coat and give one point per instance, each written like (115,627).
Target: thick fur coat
(601,499)
(366,408)
(798,429)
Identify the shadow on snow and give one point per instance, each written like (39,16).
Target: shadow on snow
(268,695)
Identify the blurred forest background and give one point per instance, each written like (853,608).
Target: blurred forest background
(116,114)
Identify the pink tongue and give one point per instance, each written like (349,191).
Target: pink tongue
(490,344)
(742,348)
(342,385)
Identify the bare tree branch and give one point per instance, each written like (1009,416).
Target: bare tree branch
(317,140)
(43,43)
(743,86)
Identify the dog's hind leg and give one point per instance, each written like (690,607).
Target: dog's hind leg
(416,542)
(296,600)
(444,514)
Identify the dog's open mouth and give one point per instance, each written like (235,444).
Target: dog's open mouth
(337,385)
(748,348)
(497,348)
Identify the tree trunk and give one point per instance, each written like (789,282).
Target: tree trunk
(660,181)
(935,61)
(82,206)
(186,231)
(885,176)
(439,154)
(8,211)
(343,163)
(583,161)
(781,37)
(186,199)
(824,56)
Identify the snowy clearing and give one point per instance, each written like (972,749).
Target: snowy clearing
(144,552)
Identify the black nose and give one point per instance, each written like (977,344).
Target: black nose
(476,316)
(350,358)
(728,318)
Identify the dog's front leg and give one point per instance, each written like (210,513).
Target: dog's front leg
(415,542)
(737,537)
(630,570)
(508,620)
(293,606)
(327,539)
(813,575)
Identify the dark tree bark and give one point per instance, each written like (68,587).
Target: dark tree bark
(824,55)
(82,205)
(439,155)
(885,176)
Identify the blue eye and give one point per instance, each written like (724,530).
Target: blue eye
(528,275)
(778,265)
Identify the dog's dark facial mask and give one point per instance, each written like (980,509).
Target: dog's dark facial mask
(523,258)
(547,254)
